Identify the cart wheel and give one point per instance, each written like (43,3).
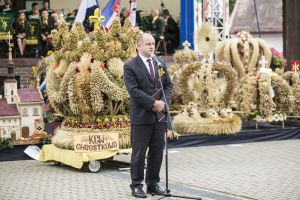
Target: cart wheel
(57,163)
(93,166)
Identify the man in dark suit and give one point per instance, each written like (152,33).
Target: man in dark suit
(7,7)
(47,25)
(157,25)
(171,32)
(141,79)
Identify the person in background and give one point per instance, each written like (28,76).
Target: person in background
(46,6)
(171,32)
(140,20)
(73,13)
(20,33)
(34,13)
(7,7)
(46,27)
(56,20)
(124,14)
(157,25)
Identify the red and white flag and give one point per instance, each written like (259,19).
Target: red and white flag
(111,10)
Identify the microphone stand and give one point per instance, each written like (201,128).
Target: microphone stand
(168,117)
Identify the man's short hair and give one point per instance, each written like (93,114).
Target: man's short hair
(34,4)
(166,12)
(44,9)
(140,38)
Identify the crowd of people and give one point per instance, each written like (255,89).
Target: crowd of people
(46,20)
(160,24)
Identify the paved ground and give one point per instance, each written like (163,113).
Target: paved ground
(265,170)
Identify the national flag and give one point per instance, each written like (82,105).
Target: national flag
(132,13)
(111,10)
(86,9)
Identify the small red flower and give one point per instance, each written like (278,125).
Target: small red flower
(77,70)
(102,66)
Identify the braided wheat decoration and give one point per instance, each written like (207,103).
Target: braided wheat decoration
(243,53)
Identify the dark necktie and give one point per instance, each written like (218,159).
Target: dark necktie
(151,69)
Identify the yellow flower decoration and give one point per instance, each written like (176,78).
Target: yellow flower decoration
(53,63)
(49,53)
(270,118)
(161,72)
(34,70)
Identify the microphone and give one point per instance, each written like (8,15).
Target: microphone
(156,60)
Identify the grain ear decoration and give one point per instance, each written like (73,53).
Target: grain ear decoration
(183,123)
(246,62)
(207,37)
(80,86)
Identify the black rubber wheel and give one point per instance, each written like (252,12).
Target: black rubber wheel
(93,166)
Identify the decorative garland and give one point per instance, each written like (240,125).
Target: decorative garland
(182,60)
(185,57)
(266,104)
(183,83)
(255,96)
(284,97)
(230,76)
(246,95)
(205,77)
(293,78)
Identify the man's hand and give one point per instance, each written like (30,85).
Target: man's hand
(158,106)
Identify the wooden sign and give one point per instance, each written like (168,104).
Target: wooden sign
(95,142)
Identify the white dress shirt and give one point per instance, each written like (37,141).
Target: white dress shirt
(147,64)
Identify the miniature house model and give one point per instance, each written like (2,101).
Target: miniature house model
(21,110)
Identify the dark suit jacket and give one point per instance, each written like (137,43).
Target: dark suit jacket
(171,31)
(157,28)
(141,88)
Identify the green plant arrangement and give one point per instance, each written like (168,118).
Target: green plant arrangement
(6,143)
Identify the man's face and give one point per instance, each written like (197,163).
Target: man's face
(45,5)
(8,2)
(22,16)
(152,13)
(124,12)
(35,10)
(146,47)
(44,14)
(142,14)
